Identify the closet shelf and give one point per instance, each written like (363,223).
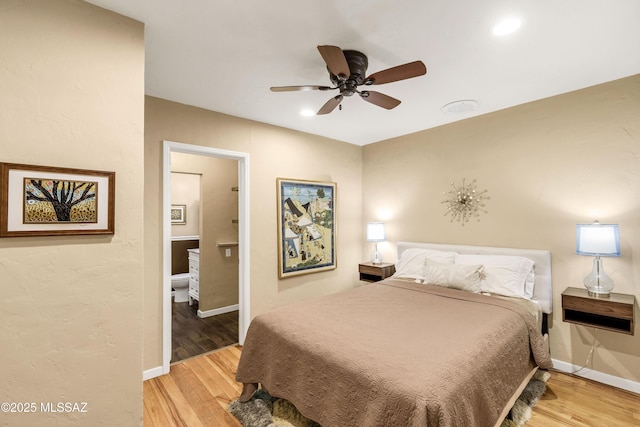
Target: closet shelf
(225,244)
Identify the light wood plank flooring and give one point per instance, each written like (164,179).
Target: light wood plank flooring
(197,391)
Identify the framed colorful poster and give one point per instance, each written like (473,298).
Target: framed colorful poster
(306,227)
(54,201)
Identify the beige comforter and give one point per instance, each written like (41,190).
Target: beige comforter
(395,353)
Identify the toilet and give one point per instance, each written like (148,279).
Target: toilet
(180,282)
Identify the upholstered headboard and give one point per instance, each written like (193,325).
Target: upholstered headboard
(542,292)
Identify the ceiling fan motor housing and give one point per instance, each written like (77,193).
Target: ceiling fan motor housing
(358,64)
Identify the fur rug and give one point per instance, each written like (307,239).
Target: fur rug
(521,410)
(264,410)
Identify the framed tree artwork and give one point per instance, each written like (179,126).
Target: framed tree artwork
(54,201)
(306,226)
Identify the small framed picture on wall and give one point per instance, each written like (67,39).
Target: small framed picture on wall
(178,214)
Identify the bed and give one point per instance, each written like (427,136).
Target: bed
(408,352)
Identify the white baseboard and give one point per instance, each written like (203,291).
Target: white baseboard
(216,311)
(152,373)
(601,377)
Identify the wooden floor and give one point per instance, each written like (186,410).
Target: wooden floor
(192,335)
(197,391)
(574,401)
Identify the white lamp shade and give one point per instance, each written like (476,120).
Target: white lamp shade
(597,239)
(375,232)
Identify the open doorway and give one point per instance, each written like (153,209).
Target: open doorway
(204,254)
(242,248)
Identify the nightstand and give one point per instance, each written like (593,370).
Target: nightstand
(615,313)
(370,272)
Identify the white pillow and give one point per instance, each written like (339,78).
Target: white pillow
(457,276)
(411,262)
(529,283)
(504,274)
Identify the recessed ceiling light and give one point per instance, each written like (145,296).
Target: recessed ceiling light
(307,113)
(460,107)
(507,26)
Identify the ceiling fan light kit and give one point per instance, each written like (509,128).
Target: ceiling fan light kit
(347,70)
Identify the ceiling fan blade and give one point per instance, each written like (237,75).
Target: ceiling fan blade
(299,88)
(330,105)
(401,72)
(335,60)
(380,99)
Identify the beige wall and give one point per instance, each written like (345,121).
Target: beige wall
(185,190)
(547,166)
(218,273)
(274,152)
(72,95)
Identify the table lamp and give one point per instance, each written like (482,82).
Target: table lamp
(375,233)
(598,240)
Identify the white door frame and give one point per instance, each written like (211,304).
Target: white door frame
(243,238)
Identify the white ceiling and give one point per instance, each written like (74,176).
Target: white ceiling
(223,55)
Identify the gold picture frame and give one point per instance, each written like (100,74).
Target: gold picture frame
(55,201)
(306,226)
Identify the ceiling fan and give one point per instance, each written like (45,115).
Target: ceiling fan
(347,71)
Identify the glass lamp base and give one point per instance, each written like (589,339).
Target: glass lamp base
(594,292)
(598,283)
(376,257)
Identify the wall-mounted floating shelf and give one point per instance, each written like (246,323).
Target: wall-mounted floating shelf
(613,313)
(226,244)
(234,188)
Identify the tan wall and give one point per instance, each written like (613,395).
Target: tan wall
(218,273)
(274,152)
(71,85)
(185,190)
(547,166)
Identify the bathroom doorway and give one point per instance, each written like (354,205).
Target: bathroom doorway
(204,254)
(233,246)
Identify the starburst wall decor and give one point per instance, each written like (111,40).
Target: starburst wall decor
(465,201)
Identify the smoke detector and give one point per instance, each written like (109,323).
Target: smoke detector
(460,107)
